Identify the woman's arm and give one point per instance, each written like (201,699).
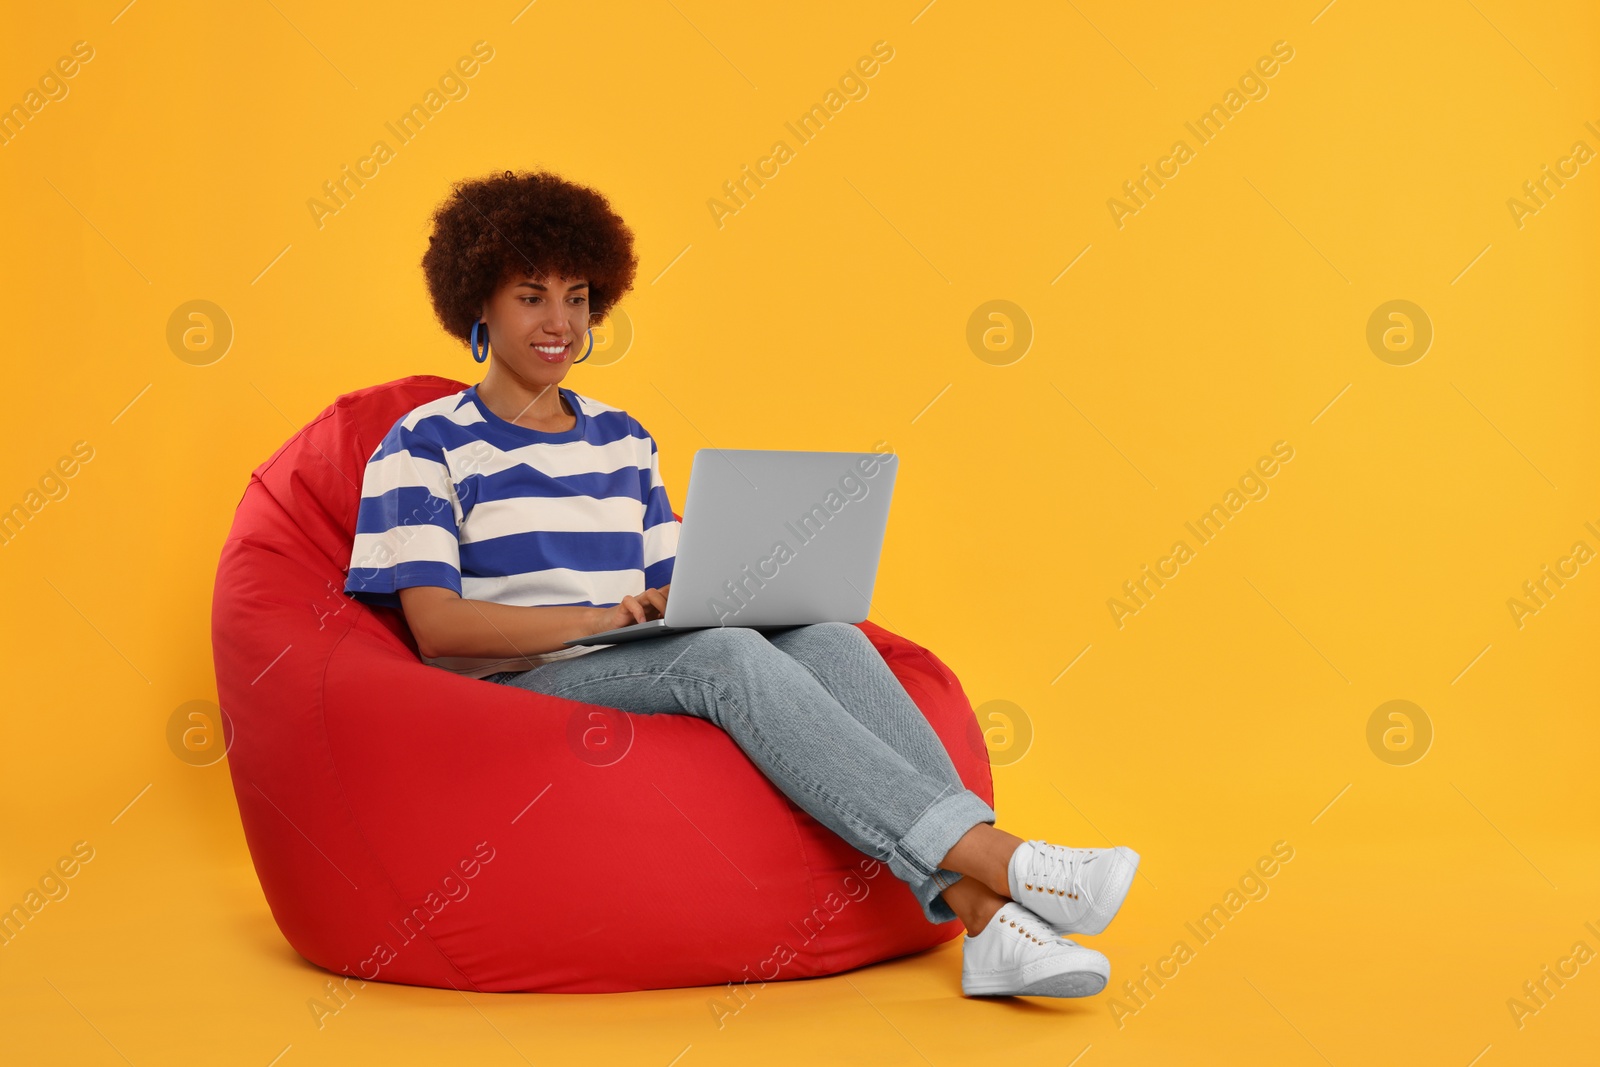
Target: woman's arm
(445,624)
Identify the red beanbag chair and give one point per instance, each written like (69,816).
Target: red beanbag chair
(410,825)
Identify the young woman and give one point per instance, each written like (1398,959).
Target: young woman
(517,514)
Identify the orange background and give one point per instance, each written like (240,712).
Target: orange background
(836,307)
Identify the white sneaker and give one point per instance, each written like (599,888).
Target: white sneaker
(1075,890)
(1017,955)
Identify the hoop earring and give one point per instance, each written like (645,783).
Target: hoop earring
(480,357)
(586,351)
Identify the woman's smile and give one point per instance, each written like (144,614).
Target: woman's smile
(553,352)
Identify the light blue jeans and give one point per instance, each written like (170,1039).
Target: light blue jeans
(818,711)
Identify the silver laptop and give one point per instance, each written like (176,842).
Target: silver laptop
(772,539)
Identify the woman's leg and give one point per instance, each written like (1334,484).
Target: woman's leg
(843,660)
(974,903)
(984,853)
(845,663)
(815,751)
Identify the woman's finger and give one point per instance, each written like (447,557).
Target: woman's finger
(655,599)
(632,605)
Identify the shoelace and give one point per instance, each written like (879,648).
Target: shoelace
(1057,870)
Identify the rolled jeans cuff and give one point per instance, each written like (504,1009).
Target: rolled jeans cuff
(928,894)
(930,838)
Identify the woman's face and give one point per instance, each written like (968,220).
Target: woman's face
(536,325)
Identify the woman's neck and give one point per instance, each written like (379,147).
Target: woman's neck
(523,403)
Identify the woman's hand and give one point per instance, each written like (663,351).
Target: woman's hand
(648,605)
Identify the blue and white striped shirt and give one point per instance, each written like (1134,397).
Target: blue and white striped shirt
(457,497)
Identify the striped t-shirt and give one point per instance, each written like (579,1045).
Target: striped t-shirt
(457,497)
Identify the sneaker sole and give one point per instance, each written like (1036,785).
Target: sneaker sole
(1065,984)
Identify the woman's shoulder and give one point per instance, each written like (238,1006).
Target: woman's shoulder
(591,406)
(442,421)
(610,416)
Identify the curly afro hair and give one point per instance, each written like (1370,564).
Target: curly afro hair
(520,224)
